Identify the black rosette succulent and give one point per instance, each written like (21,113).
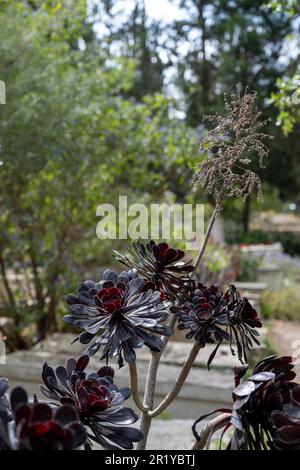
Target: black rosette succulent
(97,400)
(160,264)
(287,423)
(266,408)
(212,317)
(38,426)
(124,310)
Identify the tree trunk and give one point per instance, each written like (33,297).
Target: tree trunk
(7,287)
(204,78)
(51,321)
(246,215)
(36,280)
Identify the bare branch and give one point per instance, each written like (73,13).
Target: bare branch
(179,382)
(206,238)
(208,429)
(146,419)
(134,387)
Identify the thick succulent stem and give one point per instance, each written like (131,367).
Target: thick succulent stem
(148,403)
(147,406)
(135,388)
(206,237)
(179,382)
(209,429)
(146,419)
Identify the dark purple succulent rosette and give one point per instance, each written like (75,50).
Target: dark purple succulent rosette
(160,264)
(266,408)
(287,423)
(124,310)
(282,401)
(212,317)
(97,400)
(38,426)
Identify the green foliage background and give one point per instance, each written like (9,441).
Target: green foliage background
(89,117)
(72,139)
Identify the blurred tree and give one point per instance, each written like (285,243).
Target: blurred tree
(212,48)
(229,42)
(288,6)
(287,100)
(70,141)
(131,33)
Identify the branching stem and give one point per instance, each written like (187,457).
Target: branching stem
(135,388)
(208,429)
(206,237)
(179,382)
(148,413)
(148,403)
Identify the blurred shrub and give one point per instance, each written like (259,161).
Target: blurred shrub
(223,265)
(18,328)
(234,235)
(216,265)
(282,304)
(248,265)
(290,242)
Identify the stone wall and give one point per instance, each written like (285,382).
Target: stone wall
(203,391)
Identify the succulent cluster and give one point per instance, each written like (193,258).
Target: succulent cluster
(211,317)
(160,264)
(130,309)
(123,312)
(266,408)
(97,401)
(124,309)
(84,407)
(38,426)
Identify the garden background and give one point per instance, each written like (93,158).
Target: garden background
(106,98)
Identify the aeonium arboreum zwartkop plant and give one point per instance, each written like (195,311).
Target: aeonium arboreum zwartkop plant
(266,409)
(141,306)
